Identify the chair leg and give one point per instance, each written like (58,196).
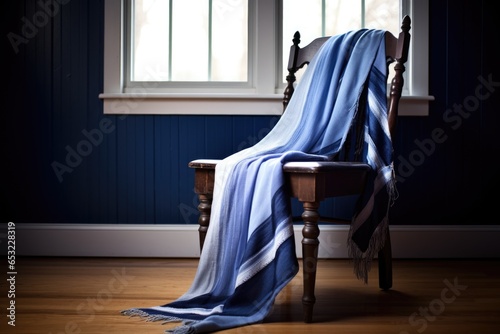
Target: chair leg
(310,243)
(385,264)
(204,208)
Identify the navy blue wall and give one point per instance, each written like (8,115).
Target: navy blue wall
(135,169)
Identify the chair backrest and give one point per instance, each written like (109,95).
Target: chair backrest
(396,52)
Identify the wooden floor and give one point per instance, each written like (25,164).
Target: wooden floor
(85,295)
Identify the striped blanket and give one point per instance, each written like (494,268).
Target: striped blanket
(249,251)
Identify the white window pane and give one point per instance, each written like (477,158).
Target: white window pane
(336,17)
(297,16)
(229,41)
(342,16)
(383,14)
(150,41)
(203,46)
(294,14)
(190,40)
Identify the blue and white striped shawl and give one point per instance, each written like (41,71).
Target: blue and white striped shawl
(249,251)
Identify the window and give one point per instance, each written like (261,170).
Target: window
(187,41)
(140,81)
(333,17)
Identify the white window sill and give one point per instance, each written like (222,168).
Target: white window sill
(222,104)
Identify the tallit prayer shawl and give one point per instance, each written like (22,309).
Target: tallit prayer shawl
(249,251)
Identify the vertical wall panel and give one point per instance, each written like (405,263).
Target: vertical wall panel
(192,145)
(148,170)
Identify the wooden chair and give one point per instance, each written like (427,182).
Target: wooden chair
(313,182)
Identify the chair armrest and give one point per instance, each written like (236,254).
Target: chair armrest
(313,181)
(323,166)
(204,163)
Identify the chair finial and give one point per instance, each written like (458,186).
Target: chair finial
(406,24)
(296,38)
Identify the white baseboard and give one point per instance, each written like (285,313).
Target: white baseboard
(182,241)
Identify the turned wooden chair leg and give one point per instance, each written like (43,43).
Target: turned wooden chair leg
(385,264)
(204,208)
(310,244)
(204,174)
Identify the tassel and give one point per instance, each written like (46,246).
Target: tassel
(184,329)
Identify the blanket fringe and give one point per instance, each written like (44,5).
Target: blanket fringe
(362,261)
(392,189)
(185,328)
(135,312)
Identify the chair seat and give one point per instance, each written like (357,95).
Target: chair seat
(293,166)
(309,181)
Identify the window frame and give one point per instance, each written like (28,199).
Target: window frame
(265,95)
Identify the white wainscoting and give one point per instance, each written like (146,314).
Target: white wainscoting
(470,241)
